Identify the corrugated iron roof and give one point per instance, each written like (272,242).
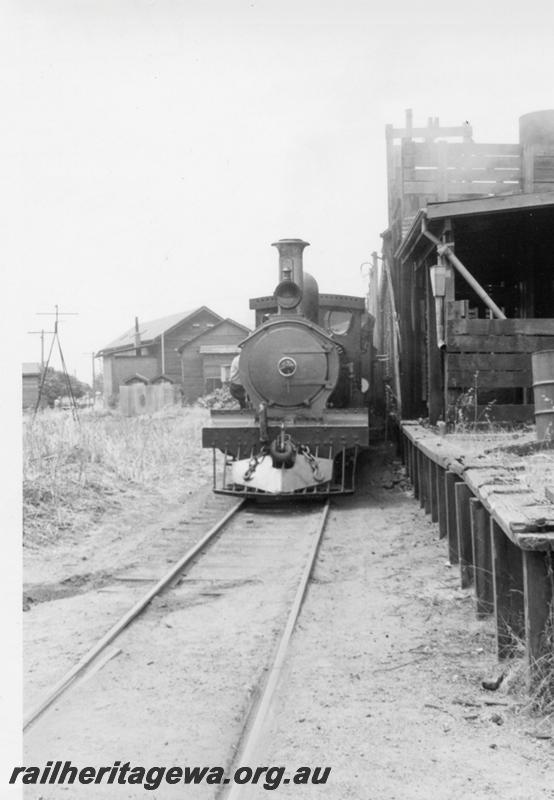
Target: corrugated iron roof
(151,330)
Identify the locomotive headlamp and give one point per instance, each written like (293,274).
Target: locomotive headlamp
(288,294)
(287,366)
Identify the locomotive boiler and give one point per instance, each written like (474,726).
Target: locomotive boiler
(306,373)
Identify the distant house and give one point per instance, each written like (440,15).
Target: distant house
(31,383)
(206,359)
(151,351)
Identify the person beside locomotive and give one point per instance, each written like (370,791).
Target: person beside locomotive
(235,386)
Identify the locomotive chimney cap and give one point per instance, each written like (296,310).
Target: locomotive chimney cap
(291,241)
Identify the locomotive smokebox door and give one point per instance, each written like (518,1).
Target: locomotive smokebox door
(289,364)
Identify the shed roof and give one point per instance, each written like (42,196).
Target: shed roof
(230,321)
(474,207)
(29,368)
(149,331)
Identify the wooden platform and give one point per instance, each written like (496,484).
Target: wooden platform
(495,510)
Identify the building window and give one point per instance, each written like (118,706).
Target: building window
(225,373)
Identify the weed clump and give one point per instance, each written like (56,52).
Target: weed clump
(73,470)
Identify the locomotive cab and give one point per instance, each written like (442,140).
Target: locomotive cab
(302,371)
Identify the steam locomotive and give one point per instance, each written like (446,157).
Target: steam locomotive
(306,371)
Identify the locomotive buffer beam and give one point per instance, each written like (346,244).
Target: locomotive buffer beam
(338,429)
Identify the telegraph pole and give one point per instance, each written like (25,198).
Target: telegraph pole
(41,334)
(56,338)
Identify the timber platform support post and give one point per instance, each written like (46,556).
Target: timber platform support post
(538,583)
(508,592)
(482,558)
(450,481)
(441,499)
(421,471)
(428,483)
(407,455)
(463,525)
(415,472)
(433,497)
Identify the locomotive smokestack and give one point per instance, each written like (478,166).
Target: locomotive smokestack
(290,259)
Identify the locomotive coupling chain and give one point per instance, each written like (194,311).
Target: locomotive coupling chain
(253,463)
(305,451)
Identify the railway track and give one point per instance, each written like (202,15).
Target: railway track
(95,651)
(264,554)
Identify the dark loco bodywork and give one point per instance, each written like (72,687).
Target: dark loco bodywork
(306,369)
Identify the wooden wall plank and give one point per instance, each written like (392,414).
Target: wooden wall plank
(517,343)
(462,379)
(491,361)
(463,172)
(459,187)
(501,327)
(506,412)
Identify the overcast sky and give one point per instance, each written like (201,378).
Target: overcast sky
(157,148)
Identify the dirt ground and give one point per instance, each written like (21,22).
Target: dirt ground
(383,683)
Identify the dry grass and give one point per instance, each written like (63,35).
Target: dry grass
(73,471)
(534,688)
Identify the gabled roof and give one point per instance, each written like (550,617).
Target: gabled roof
(152,330)
(243,328)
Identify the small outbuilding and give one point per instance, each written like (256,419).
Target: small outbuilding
(31,384)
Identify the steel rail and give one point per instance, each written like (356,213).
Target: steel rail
(64,683)
(246,751)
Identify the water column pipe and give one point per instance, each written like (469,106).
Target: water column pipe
(444,250)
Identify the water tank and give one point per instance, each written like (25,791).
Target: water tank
(537,128)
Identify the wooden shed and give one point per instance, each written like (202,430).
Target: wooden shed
(466,292)
(151,349)
(455,350)
(206,359)
(31,384)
